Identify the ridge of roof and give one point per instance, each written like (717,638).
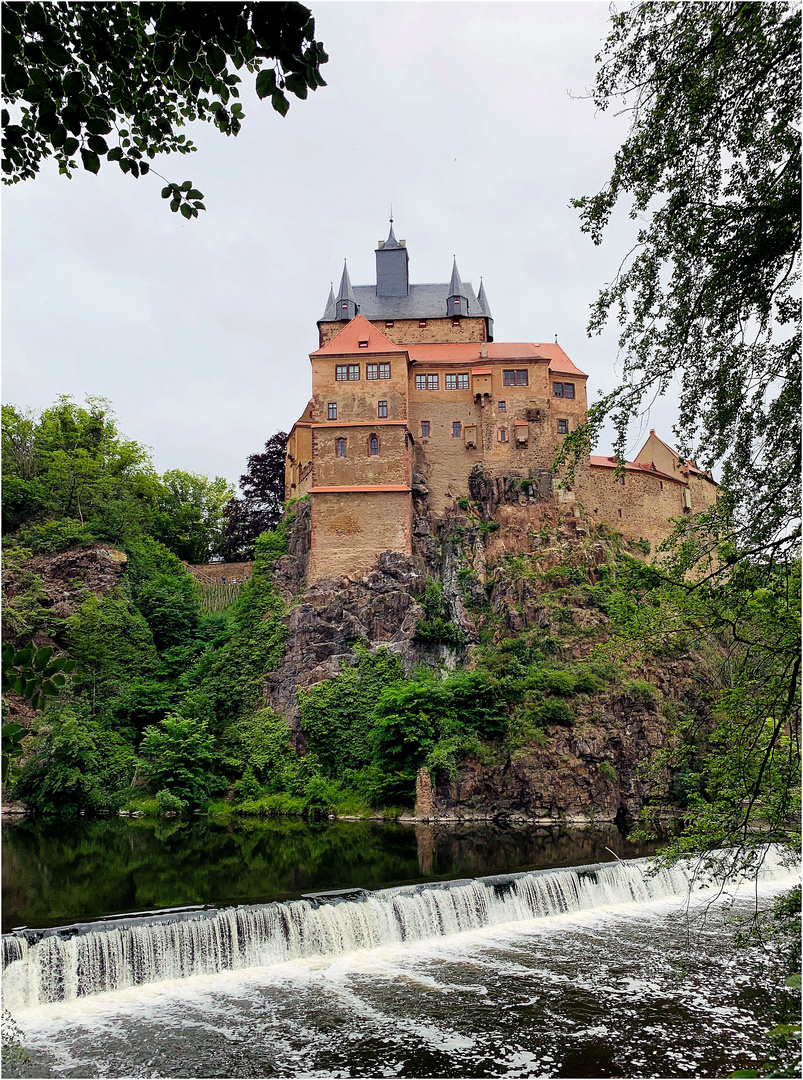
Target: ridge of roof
(347,341)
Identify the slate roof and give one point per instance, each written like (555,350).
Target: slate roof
(422,302)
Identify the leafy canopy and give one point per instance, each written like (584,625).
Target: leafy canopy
(118,81)
(260,508)
(709,293)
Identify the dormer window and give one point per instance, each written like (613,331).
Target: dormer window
(363,344)
(422,323)
(389,325)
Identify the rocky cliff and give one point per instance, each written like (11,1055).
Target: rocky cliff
(506,569)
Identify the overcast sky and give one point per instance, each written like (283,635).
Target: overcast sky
(469,117)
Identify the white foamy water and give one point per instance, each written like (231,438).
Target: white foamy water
(130,954)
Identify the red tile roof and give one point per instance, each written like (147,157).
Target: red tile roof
(631,466)
(348,340)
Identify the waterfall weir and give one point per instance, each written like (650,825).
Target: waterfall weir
(65,963)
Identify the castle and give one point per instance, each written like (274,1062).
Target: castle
(410,392)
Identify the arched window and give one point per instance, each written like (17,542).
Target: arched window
(340,447)
(373,446)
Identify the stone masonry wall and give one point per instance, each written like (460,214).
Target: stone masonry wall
(351,529)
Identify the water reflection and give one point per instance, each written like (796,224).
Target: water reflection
(57,873)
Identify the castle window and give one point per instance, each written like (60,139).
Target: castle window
(425,429)
(341,373)
(389,325)
(363,344)
(422,323)
(420,382)
(371,371)
(432,382)
(354,372)
(455,322)
(563,389)
(382,409)
(340,447)
(373,446)
(619,512)
(502,406)
(462,381)
(451,382)
(332,410)
(503,434)
(661,484)
(568,390)
(384,371)
(457,382)
(515,378)
(456,432)
(563,427)
(621,481)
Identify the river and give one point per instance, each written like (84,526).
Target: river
(568,970)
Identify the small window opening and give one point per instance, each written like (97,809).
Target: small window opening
(340,447)
(332,410)
(425,429)
(563,427)
(382,409)
(503,434)
(373,446)
(502,406)
(456,429)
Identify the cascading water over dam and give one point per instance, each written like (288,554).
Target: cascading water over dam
(67,963)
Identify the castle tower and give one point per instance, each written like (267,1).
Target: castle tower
(392,267)
(346,304)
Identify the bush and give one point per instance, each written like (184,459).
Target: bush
(167,803)
(437,626)
(55,536)
(555,711)
(178,756)
(641,690)
(607,772)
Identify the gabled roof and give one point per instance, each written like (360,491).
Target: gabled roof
(632,466)
(559,362)
(348,340)
(471,352)
(687,464)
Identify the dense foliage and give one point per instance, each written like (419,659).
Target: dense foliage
(71,478)
(119,81)
(709,294)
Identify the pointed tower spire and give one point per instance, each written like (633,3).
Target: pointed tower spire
(485,308)
(457,300)
(346,304)
(330,311)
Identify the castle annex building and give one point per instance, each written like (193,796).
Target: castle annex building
(408,385)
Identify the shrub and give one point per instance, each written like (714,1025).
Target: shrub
(641,690)
(178,755)
(555,711)
(167,803)
(607,772)
(437,626)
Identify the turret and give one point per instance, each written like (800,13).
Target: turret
(485,308)
(456,301)
(345,304)
(392,266)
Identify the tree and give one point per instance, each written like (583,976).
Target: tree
(119,81)
(189,519)
(708,295)
(260,508)
(178,756)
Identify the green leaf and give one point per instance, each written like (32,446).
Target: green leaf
(15,79)
(175,204)
(97,126)
(115,154)
(97,144)
(266,83)
(91,161)
(73,82)
(163,55)
(70,146)
(744,1072)
(297,85)
(58,136)
(216,58)
(41,658)
(280,103)
(186,210)
(793,981)
(194,193)
(56,53)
